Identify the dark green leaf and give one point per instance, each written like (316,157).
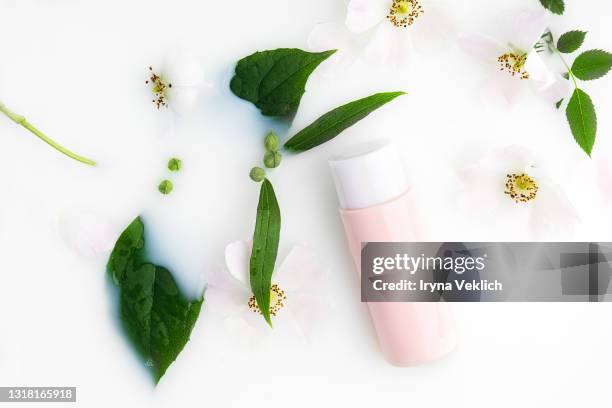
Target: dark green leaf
(265,248)
(559,102)
(156,316)
(582,120)
(592,64)
(275,80)
(127,249)
(556,6)
(336,121)
(571,41)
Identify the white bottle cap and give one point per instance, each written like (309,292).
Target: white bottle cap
(372,174)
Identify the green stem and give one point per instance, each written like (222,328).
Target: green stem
(20,120)
(569,69)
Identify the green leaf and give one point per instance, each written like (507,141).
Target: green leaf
(555,6)
(571,41)
(265,248)
(592,64)
(127,249)
(155,315)
(336,121)
(582,120)
(559,103)
(275,80)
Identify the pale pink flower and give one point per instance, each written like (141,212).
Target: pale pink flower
(296,300)
(509,186)
(513,63)
(384,31)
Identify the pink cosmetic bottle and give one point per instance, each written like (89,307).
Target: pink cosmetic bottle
(376,206)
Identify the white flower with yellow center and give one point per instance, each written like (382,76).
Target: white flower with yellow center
(507,186)
(177,83)
(385,31)
(513,63)
(295,300)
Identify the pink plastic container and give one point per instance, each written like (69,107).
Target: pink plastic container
(376,206)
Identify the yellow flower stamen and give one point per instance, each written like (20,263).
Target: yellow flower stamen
(403,13)
(160,89)
(521,188)
(277,301)
(514,64)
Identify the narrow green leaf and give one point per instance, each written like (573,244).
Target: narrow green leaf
(592,64)
(555,6)
(571,41)
(155,315)
(265,248)
(336,121)
(559,102)
(275,80)
(582,120)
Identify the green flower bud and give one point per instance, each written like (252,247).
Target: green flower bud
(271,142)
(174,164)
(257,174)
(165,187)
(272,159)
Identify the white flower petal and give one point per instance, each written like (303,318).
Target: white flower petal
(526,27)
(502,89)
(241,331)
(553,215)
(182,68)
(363,15)
(225,295)
(389,46)
(559,89)
(184,99)
(184,72)
(508,159)
(256,320)
(237,257)
(226,302)
(539,74)
(87,233)
(432,31)
(308,311)
(481,47)
(480,190)
(300,271)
